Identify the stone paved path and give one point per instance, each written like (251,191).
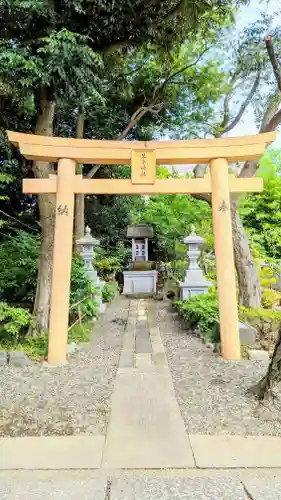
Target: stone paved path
(145,428)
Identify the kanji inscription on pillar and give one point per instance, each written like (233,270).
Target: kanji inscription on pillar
(62,210)
(224,207)
(143,167)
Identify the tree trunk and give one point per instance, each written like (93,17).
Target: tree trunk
(248,279)
(79,222)
(44,126)
(273,374)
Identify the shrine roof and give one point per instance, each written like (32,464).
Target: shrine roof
(140,231)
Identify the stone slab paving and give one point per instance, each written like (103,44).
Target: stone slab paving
(178,489)
(141,485)
(60,452)
(53,486)
(145,428)
(236,451)
(264,488)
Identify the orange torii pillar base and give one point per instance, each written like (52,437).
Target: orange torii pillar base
(144,156)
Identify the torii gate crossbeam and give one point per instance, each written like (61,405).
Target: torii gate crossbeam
(143,156)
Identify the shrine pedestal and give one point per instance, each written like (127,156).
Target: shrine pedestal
(139,282)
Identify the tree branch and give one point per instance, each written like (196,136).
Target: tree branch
(274,60)
(175,11)
(127,42)
(117,45)
(135,118)
(244,105)
(184,68)
(153,107)
(272,115)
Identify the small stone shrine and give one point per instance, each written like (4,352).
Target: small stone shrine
(140,278)
(86,246)
(194,282)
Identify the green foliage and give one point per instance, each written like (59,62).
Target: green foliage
(264,320)
(82,293)
(261,212)
(80,333)
(14,322)
(200,311)
(171,217)
(270,298)
(109,292)
(18,267)
(267,278)
(37,347)
(107,265)
(112,260)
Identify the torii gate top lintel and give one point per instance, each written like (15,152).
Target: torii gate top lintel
(88,151)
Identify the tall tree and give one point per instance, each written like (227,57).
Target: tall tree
(250,71)
(54,50)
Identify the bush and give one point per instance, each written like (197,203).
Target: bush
(18,268)
(267,277)
(111,262)
(14,323)
(201,311)
(264,320)
(37,347)
(107,265)
(109,292)
(270,298)
(81,290)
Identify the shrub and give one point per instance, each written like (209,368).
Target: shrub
(107,265)
(81,290)
(18,268)
(264,320)
(14,323)
(111,261)
(37,347)
(270,298)
(201,311)
(109,292)
(267,277)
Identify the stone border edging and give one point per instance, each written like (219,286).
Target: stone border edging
(210,452)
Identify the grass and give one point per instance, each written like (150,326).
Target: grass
(36,348)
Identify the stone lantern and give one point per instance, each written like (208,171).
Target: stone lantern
(194,282)
(86,246)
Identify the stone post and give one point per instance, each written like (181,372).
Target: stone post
(86,245)
(194,282)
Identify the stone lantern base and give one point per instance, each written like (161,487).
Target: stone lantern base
(187,291)
(194,284)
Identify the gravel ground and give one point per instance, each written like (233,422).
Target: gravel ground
(211,392)
(37,400)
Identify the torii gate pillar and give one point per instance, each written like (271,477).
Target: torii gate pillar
(143,156)
(229,331)
(62,258)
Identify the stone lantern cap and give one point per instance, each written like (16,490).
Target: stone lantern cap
(88,239)
(193,238)
(140,231)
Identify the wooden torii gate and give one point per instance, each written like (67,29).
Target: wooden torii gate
(143,156)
